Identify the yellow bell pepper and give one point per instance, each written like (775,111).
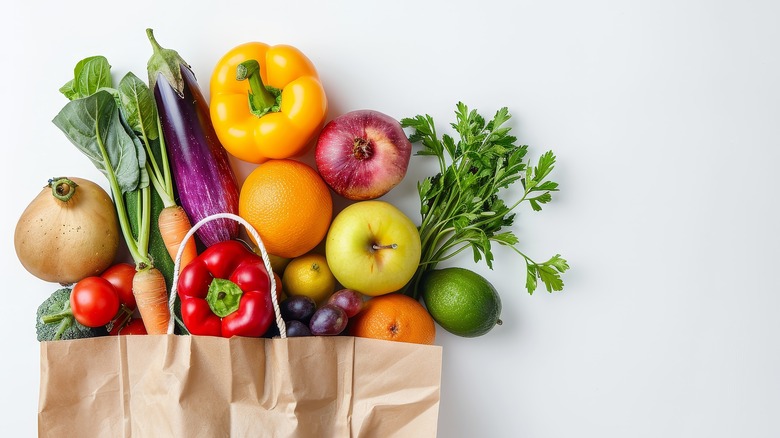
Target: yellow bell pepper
(266,102)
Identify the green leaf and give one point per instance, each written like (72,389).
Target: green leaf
(551,278)
(138,106)
(69,90)
(507,238)
(530,278)
(484,244)
(90,75)
(545,166)
(449,146)
(94,126)
(461,206)
(558,262)
(140,149)
(548,186)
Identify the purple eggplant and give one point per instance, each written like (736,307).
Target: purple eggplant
(204,179)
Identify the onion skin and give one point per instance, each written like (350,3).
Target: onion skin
(66,241)
(362,154)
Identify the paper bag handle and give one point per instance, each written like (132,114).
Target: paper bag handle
(263,254)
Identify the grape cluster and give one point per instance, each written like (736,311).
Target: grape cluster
(304,318)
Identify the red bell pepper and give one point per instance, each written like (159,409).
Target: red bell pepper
(226,291)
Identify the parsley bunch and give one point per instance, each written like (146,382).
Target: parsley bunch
(461,207)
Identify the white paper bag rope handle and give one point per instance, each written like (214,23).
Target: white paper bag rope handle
(263,254)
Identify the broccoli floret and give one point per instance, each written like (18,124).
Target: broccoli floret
(55,321)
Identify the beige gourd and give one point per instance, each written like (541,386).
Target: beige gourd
(68,232)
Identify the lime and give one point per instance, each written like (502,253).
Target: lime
(461,301)
(309,275)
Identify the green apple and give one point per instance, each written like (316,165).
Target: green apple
(373,247)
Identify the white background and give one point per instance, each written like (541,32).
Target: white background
(664,116)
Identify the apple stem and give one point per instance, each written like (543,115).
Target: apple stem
(378,247)
(361,148)
(260,98)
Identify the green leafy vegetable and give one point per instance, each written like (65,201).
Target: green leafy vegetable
(138,106)
(140,112)
(111,126)
(90,75)
(460,205)
(93,124)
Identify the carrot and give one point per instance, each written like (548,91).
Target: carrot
(151,297)
(174,225)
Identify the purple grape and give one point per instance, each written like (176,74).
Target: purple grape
(298,308)
(296,328)
(328,320)
(349,300)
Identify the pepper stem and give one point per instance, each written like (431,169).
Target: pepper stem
(223,297)
(261,101)
(62,188)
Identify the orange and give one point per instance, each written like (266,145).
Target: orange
(394,317)
(289,205)
(280,295)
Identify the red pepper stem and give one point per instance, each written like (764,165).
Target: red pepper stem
(260,98)
(223,297)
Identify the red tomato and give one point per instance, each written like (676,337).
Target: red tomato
(94,301)
(134,327)
(121,276)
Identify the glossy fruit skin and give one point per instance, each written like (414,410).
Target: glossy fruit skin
(94,301)
(328,320)
(363,154)
(121,276)
(297,328)
(231,261)
(350,301)
(461,301)
(205,181)
(134,327)
(298,308)
(64,241)
(355,261)
(283,134)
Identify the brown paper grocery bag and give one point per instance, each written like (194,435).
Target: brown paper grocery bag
(201,386)
(197,386)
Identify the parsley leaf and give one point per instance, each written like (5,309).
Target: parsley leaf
(461,206)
